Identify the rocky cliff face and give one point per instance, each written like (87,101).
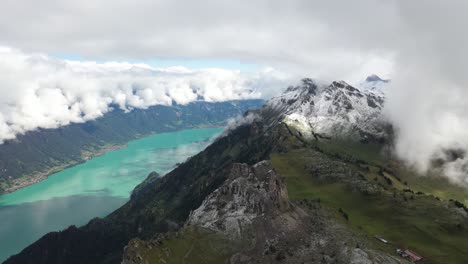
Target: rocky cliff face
(248,193)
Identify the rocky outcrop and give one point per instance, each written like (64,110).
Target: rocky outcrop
(248,193)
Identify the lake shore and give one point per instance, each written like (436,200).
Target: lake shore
(27,180)
(40,176)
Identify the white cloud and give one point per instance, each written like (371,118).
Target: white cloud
(39,91)
(327,39)
(427,100)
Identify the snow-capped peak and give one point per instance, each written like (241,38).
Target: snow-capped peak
(336,109)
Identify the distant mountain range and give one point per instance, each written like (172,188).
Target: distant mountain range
(34,155)
(308,178)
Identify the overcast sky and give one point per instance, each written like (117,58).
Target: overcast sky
(420,45)
(305,36)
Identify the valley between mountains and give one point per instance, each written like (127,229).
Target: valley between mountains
(308,178)
(33,156)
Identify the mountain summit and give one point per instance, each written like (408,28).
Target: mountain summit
(375,78)
(337,109)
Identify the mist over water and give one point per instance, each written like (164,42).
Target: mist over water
(92,189)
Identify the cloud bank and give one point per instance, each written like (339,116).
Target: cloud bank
(38,91)
(428,98)
(327,39)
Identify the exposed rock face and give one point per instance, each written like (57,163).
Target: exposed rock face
(338,109)
(248,193)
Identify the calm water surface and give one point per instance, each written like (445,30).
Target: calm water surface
(94,188)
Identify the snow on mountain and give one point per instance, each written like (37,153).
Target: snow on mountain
(375,84)
(337,109)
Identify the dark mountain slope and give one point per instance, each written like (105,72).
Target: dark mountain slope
(38,153)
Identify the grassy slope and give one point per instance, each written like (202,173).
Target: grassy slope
(432,183)
(190,245)
(422,223)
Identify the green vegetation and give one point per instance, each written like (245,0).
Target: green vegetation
(434,184)
(372,153)
(377,157)
(190,245)
(422,223)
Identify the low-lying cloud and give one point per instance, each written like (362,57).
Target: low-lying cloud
(38,91)
(427,99)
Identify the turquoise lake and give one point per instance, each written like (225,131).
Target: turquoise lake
(91,189)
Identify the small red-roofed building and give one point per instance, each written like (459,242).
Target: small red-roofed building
(413,256)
